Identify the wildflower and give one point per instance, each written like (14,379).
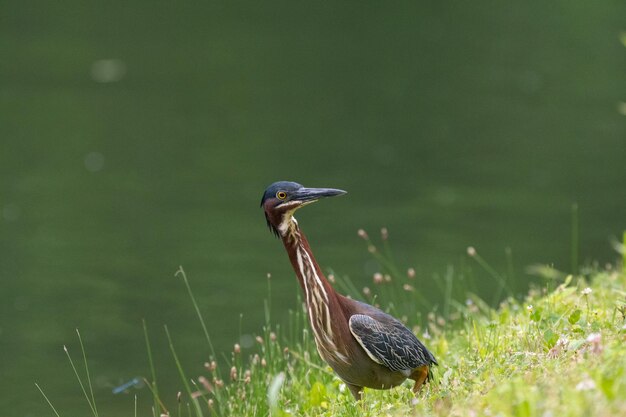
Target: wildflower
(559,347)
(529,307)
(366,291)
(269,275)
(273,336)
(384,233)
(210,403)
(410,273)
(205,383)
(586,291)
(263,362)
(255,359)
(407,287)
(362,234)
(595,342)
(237,348)
(286,351)
(378,278)
(219,383)
(586,384)
(471,251)
(210,366)
(259,340)
(387,278)
(426,335)
(178,396)
(331,278)
(233,373)
(371,249)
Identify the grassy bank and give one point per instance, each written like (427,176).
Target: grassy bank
(559,351)
(555,353)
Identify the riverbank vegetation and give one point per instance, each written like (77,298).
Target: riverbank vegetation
(558,351)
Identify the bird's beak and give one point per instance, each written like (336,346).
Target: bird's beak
(309,195)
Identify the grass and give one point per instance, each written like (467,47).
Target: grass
(558,351)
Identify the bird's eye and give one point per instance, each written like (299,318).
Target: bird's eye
(281,195)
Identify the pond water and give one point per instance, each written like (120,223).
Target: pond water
(137,137)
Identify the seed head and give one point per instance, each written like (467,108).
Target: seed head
(331,278)
(367,291)
(384,233)
(471,251)
(205,383)
(378,278)
(410,273)
(237,348)
(586,291)
(259,340)
(233,373)
(273,336)
(362,234)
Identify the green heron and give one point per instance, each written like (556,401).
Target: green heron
(363,345)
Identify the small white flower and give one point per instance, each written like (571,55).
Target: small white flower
(586,385)
(594,338)
(529,307)
(586,291)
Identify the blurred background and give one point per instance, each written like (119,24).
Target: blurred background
(138,136)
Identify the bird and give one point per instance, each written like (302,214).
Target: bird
(365,347)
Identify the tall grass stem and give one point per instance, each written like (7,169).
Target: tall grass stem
(575,239)
(47,400)
(181,372)
(93,398)
(154,388)
(80,381)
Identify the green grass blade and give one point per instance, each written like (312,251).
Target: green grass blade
(80,381)
(93,398)
(153,385)
(181,272)
(47,400)
(575,239)
(181,372)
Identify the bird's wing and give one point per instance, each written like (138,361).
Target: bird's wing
(389,343)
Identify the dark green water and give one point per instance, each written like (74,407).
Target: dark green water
(474,124)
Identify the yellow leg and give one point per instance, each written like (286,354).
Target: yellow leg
(419,375)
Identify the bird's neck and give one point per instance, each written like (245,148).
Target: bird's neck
(320,297)
(316,287)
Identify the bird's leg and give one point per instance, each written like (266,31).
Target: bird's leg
(419,375)
(356,391)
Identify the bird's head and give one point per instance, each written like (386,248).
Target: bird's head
(283,198)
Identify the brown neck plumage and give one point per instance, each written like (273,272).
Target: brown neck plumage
(320,297)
